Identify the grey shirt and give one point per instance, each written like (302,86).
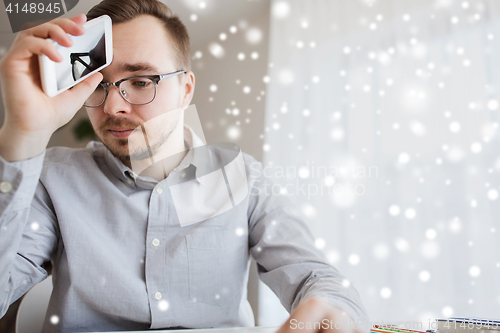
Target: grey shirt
(122,260)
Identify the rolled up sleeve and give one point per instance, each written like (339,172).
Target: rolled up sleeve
(287,260)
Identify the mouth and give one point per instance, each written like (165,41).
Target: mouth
(121,132)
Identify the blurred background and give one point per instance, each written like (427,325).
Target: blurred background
(379,120)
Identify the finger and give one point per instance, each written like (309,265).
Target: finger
(30,45)
(311,310)
(73,26)
(79,19)
(69,26)
(80,93)
(316,315)
(58,34)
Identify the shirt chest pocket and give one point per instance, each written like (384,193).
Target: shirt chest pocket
(217,262)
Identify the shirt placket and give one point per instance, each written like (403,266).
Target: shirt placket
(156,247)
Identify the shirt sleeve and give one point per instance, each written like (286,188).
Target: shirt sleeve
(283,247)
(28,228)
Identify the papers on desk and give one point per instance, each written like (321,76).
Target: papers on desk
(451,325)
(391,329)
(467,325)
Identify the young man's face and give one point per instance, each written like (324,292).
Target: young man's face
(141,47)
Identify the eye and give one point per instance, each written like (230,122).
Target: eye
(141,83)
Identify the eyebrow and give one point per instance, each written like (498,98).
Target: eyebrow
(139,67)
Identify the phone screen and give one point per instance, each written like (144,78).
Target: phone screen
(87,54)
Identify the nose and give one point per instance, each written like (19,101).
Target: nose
(115,104)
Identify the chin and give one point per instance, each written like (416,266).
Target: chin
(119,148)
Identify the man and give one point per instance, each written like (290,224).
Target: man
(122,258)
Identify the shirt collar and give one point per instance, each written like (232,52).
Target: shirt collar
(129,177)
(191,141)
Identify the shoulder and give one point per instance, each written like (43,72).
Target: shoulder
(65,155)
(73,156)
(225,154)
(251,162)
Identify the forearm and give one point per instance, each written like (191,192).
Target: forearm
(16,146)
(18,183)
(329,285)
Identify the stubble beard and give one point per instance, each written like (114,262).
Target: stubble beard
(138,153)
(121,149)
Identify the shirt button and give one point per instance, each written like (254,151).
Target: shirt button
(155,242)
(5,187)
(159,190)
(158,296)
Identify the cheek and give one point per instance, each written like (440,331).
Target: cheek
(90,114)
(162,105)
(93,116)
(96,117)
(169,95)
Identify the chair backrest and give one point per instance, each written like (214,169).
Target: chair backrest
(31,313)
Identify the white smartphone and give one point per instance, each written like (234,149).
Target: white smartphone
(90,53)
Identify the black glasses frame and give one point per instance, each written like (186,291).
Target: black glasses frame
(155,78)
(74,57)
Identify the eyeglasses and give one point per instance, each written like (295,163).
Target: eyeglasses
(80,62)
(137,90)
(84,63)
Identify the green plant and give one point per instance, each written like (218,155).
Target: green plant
(84,131)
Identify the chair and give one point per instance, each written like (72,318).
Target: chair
(28,312)
(8,321)
(31,312)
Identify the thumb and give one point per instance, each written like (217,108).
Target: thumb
(79,19)
(75,97)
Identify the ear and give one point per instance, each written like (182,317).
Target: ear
(189,83)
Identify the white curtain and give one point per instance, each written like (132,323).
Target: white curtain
(386,112)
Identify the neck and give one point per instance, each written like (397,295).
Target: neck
(169,156)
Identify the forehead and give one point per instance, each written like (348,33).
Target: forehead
(143,39)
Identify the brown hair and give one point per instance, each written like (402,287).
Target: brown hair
(122,11)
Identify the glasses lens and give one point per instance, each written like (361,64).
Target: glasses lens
(79,69)
(97,97)
(138,91)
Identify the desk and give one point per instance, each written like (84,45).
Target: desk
(257,329)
